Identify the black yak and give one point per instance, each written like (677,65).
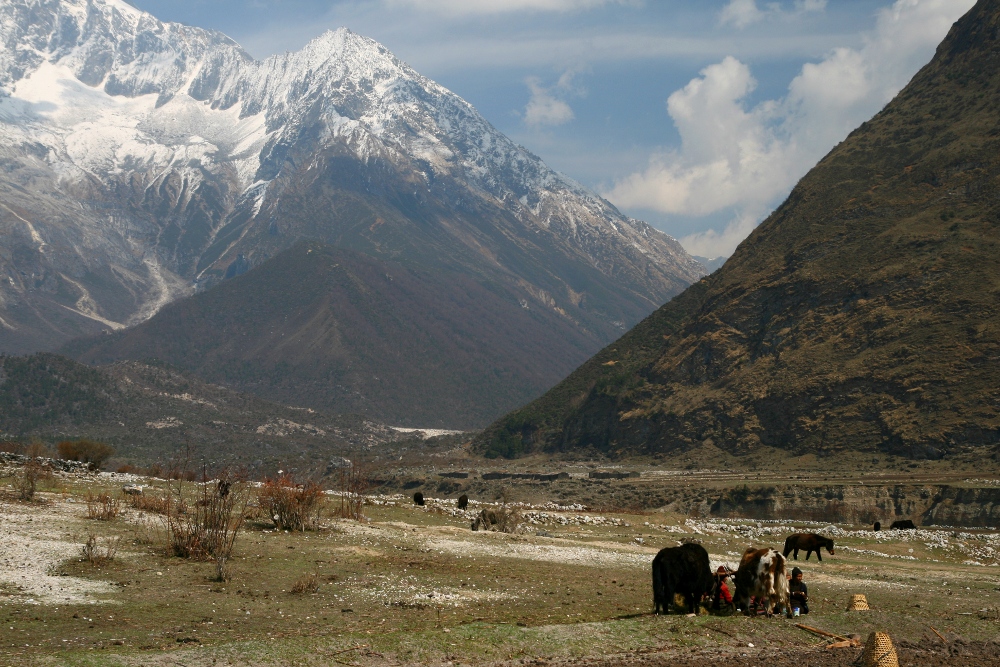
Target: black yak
(808,542)
(683,570)
(418,498)
(463,501)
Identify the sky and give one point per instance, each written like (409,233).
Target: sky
(698,116)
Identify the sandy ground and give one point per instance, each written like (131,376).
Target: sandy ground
(33,542)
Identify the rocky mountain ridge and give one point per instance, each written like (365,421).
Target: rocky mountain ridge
(143,160)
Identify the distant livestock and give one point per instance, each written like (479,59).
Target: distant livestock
(418,498)
(685,570)
(902,524)
(132,490)
(877,527)
(762,576)
(463,501)
(808,542)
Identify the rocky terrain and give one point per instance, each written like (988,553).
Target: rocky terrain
(860,316)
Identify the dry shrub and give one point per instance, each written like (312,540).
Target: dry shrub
(38,449)
(503,518)
(208,530)
(508,519)
(289,505)
(26,483)
(88,451)
(157,504)
(103,506)
(353,486)
(96,555)
(11,447)
(307,583)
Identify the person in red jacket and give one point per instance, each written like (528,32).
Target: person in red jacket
(722,594)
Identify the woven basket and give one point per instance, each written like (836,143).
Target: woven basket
(879,651)
(858,603)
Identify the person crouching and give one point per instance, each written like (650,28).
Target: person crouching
(798,593)
(722,594)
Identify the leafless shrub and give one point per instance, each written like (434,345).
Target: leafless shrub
(37,449)
(88,451)
(102,506)
(504,518)
(26,483)
(208,530)
(12,447)
(289,505)
(307,583)
(155,503)
(94,554)
(353,486)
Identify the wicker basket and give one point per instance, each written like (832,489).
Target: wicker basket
(858,603)
(879,651)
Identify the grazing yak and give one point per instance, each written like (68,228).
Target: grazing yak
(902,524)
(808,542)
(762,576)
(418,498)
(463,501)
(685,570)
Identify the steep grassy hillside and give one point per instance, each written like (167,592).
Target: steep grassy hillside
(342,331)
(862,314)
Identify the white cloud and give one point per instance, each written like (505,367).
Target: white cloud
(745,159)
(546,106)
(458,7)
(740,13)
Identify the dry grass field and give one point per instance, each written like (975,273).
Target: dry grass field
(414,585)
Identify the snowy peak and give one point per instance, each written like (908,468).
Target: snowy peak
(167,156)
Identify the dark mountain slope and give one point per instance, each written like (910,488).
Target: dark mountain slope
(157,414)
(862,314)
(331,328)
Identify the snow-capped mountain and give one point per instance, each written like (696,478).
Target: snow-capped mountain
(142,160)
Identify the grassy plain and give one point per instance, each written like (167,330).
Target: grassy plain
(413,585)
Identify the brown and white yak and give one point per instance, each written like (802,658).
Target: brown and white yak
(761,575)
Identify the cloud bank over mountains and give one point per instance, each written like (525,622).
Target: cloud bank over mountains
(744,158)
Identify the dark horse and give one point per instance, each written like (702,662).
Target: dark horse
(808,542)
(683,570)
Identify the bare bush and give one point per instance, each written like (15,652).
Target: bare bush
(103,506)
(208,530)
(88,451)
(95,554)
(289,505)
(26,483)
(504,518)
(155,503)
(307,583)
(12,447)
(353,485)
